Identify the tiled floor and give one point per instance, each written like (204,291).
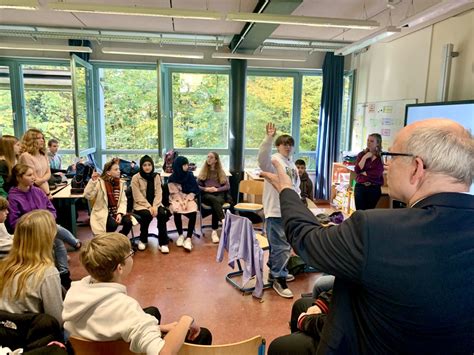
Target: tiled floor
(194,283)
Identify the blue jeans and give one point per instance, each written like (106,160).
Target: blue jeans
(60,256)
(66,236)
(323,284)
(279,247)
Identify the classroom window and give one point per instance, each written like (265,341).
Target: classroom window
(129,108)
(269,99)
(6,110)
(200,110)
(346,113)
(310,106)
(48,102)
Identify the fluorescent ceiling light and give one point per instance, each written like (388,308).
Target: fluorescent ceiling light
(256,57)
(19,4)
(44,47)
(302,20)
(367,41)
(136,11)
(153,53)
(435,11)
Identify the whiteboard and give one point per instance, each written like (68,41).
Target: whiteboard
(383,117)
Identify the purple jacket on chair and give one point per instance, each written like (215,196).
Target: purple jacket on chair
(238,238)
(21,202)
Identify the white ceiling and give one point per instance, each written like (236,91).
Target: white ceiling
(351,9)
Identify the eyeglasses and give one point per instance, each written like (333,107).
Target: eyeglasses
(388,156)
(132,253)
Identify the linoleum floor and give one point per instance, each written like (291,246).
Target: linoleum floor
(194,283)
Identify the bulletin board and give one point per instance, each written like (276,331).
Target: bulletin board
(384,117)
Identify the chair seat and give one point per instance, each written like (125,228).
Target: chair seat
(207,207)
(262,241)
(251,207)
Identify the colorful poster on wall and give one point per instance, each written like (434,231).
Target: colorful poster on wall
(385,118)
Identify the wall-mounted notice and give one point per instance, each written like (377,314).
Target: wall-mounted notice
(385,117)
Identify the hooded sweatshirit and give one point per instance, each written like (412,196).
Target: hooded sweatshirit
(102,311)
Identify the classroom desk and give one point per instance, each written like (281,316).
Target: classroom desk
(65,204)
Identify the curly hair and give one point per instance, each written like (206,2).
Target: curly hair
(30,144)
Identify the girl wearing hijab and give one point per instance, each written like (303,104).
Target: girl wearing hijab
(110,203)
(148,203)
(183,190)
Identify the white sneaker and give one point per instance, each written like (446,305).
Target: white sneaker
(141,246)
(279,285)
(180,241)
(164,249)
(188,245)
(214,237)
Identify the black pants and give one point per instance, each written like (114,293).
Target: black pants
(366,197)
(297,342)
(215,201)
(112,225)
(179,223)
(145,220)
(204,337)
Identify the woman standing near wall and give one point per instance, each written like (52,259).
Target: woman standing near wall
(369,170)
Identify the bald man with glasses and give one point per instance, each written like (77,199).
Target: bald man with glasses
(404,277)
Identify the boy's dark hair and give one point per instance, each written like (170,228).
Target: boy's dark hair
(52,141)
(300,162)
(285,139)
(3,203)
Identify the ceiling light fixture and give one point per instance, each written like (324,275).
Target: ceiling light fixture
(367,41)
(438,11)
(153,53)
(302,20)
(19,4)
(136,11)
(256,57)
(44,47)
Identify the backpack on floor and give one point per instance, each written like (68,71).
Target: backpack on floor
(170,156)
(295,265)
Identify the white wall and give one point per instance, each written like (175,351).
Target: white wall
(409,67)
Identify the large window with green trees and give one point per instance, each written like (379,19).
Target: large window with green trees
(130,108)
(6,110)
(200,110)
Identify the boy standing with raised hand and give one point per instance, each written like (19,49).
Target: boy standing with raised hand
(279,247)
(98,308)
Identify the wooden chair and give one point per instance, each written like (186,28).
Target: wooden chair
(252,346)
(250,188)
(88,347)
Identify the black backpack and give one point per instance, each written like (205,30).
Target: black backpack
(83,174)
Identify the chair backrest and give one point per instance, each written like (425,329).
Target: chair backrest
(251,187)
(252,346)
(87,347)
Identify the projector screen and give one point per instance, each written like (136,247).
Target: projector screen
(459,111)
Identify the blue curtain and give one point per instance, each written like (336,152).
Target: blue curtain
(329,123)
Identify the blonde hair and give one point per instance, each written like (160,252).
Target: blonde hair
(30,255)
(205,172)
(17,172)
(7,150)
(101,255)
(3,203)
(30,144)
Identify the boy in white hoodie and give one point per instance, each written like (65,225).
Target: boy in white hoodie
(279,247)
(98,308)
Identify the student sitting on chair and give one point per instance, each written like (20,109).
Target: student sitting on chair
(110,203)
(183,190)
(147,203)
(98,308)
(30,282)
(6,239)
(214,186)
(306,185)
(25,197)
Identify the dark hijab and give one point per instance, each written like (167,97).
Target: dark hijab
(149,177)
(185,178)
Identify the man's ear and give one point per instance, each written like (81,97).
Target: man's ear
(418,172)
